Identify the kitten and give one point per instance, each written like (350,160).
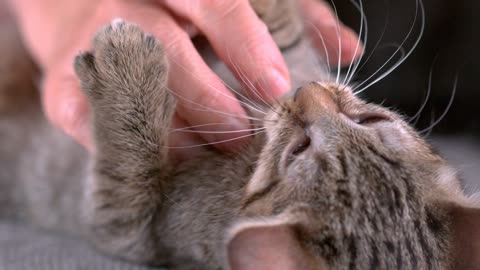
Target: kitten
(332,183)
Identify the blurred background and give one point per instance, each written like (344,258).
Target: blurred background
(451,37)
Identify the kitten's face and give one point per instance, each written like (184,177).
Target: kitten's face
(327,147)
(346,173)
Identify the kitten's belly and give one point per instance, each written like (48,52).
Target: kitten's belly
(42,172)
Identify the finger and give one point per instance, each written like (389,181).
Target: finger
(202,97)
(183,145)
(186,25)
(4,12)
(67,108)
(329,33)
(241,40)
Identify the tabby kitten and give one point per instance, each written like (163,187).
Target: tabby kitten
(333,183)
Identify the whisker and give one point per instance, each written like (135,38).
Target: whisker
(317,31)
(416,117)
(318,63)
(205,125)
(222,93)
(229,114)
(247,82)
(363,23)
(449,105)
(322,74)
(219,142)
(387,19)
(399,50)
(337,29)
(207,109)
(245,79)
(257,93)
(419,4)
(432,119)
(275,100)
(220,132)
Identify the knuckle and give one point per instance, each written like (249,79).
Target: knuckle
(174,41)
(259,33)
(219,10)
(68,114)
(50,104)
(257,40)
(208,99)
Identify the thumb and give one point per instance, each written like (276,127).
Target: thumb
(67,108)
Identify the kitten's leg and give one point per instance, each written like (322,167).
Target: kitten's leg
(282,18)
(125,81)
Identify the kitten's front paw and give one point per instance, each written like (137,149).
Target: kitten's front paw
(124,59)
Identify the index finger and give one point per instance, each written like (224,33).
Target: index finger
(241,40)
(341,43)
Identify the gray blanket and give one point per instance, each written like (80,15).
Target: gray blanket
(26,248)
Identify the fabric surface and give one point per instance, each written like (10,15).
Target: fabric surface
(25,248)
(463,153)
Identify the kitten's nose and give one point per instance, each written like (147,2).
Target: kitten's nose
(314,98)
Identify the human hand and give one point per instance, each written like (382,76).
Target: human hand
(326,31)
(231,26)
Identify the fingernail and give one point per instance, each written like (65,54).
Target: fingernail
(273,85)
(352,48)
(279,84)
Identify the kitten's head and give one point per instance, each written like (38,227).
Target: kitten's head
(342,183)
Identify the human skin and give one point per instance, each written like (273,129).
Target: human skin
(56,30)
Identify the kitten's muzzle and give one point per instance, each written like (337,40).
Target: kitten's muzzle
(314,98)
(311,101)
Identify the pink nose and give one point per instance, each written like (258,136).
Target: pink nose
(314,98)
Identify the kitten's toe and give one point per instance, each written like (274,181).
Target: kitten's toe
(126,48)
(84,65)
(123,58)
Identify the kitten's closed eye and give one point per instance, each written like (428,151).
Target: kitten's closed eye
(370,118)
(298,146)
(301,145)
(390,135)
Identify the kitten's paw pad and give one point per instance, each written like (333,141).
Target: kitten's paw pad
(123,56)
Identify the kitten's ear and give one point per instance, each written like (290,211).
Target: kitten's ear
(465,225)
(268,247)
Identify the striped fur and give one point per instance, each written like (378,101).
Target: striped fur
(345,194)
